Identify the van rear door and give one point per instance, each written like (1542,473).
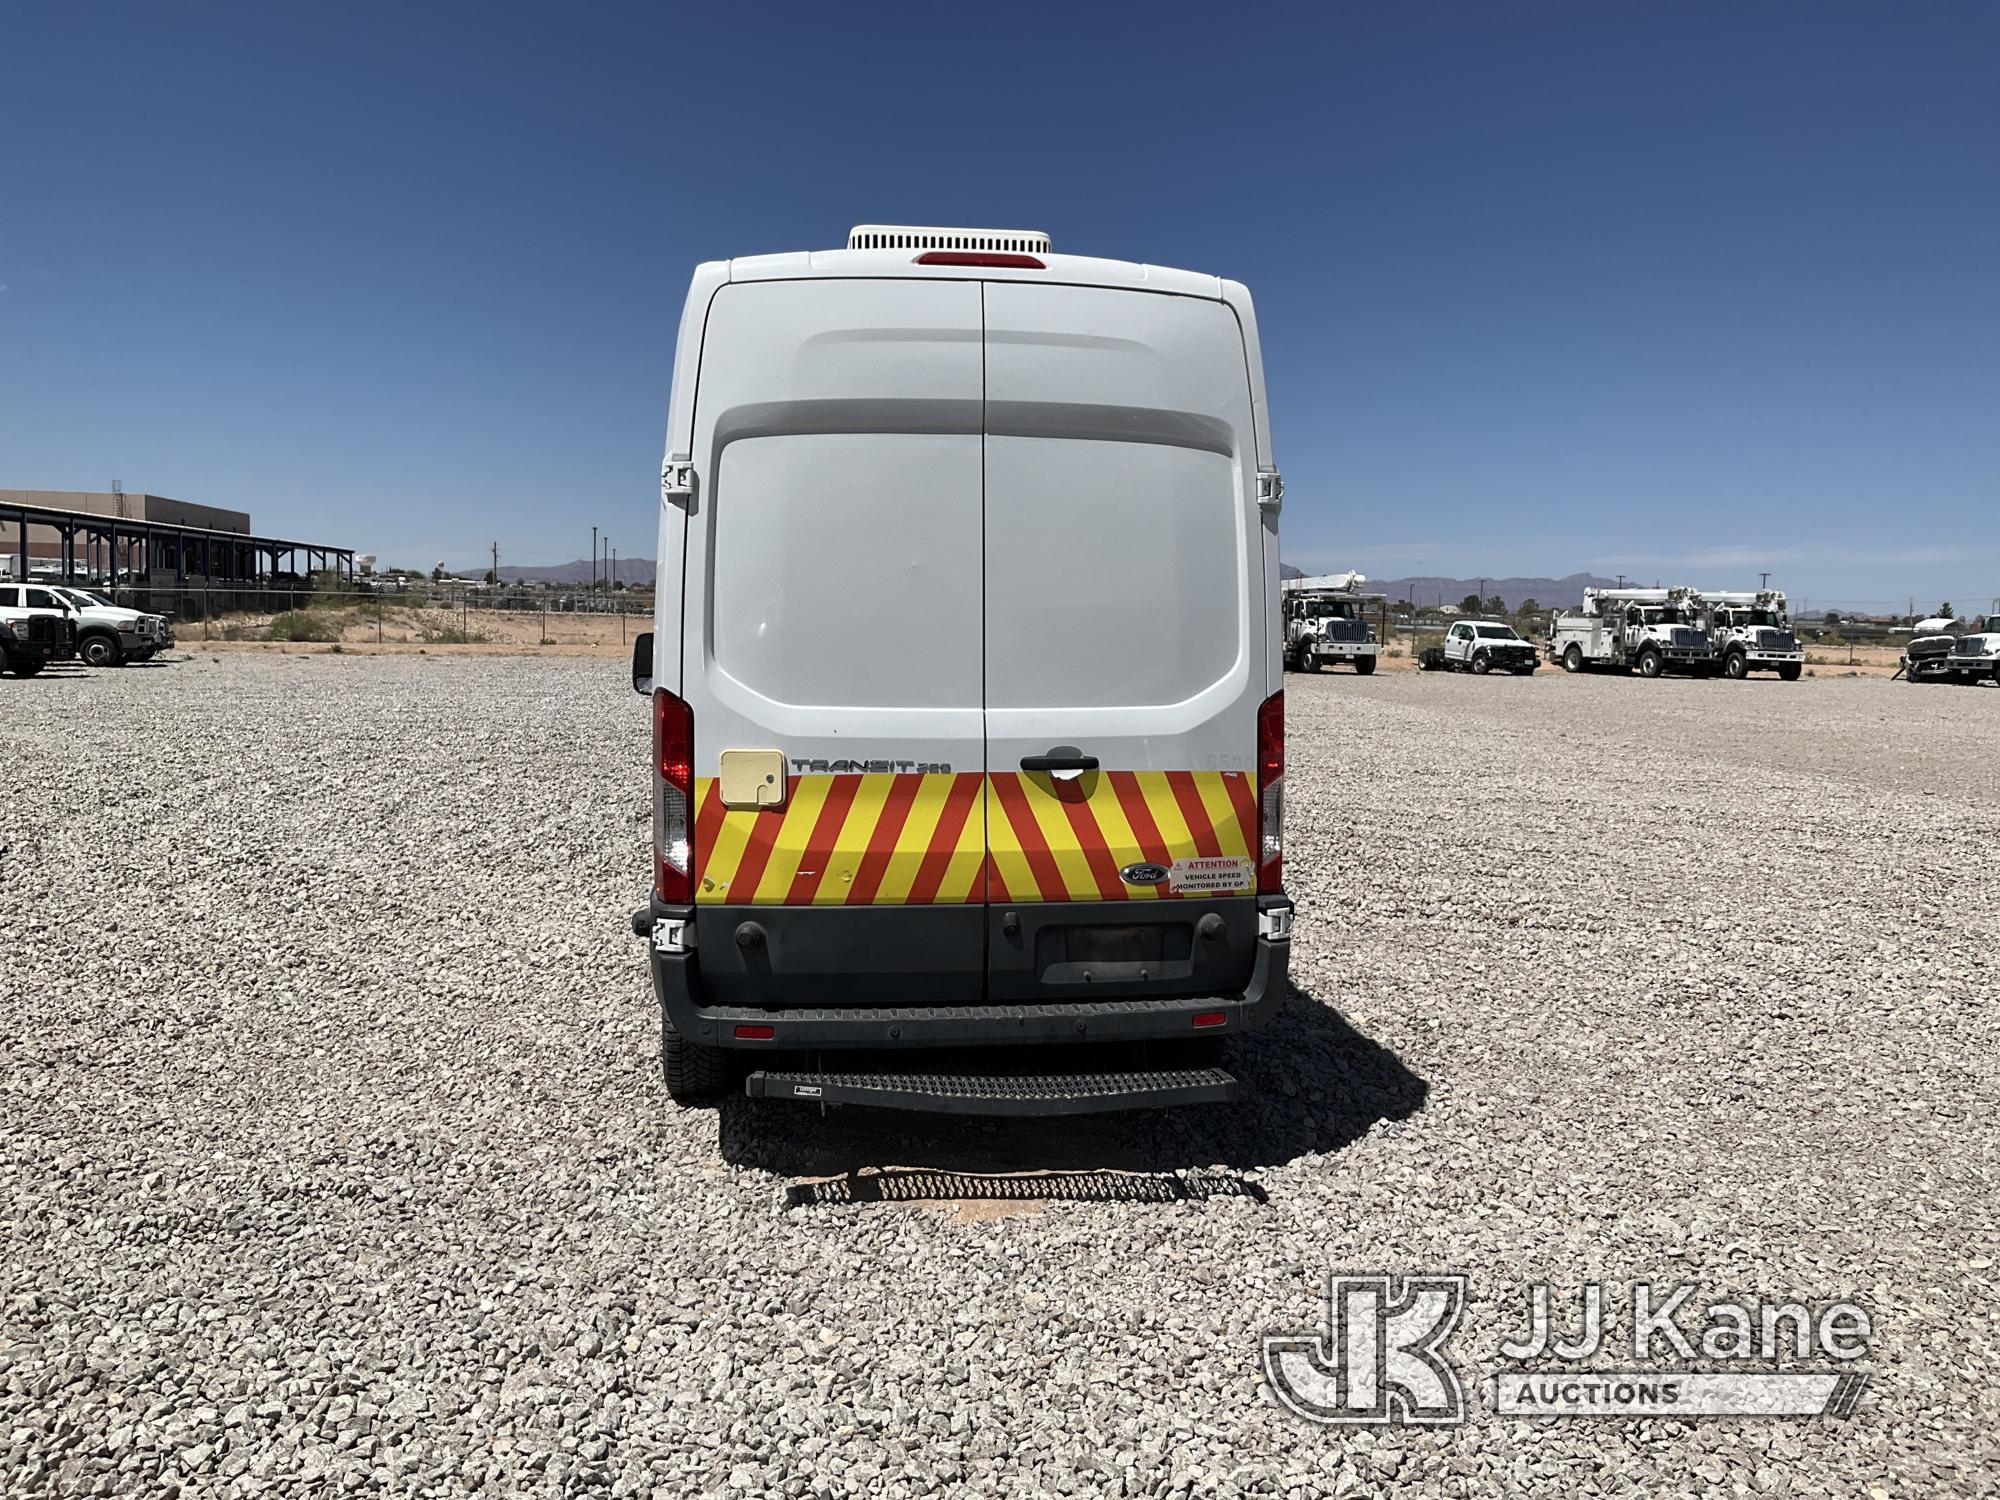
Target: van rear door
(832,643)
(1125,644)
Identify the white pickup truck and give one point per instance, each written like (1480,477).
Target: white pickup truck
(108,633)
(1481,646)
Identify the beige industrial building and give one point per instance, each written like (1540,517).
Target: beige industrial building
(45,542)
(144,541)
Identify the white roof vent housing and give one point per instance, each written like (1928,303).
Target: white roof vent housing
(931,237)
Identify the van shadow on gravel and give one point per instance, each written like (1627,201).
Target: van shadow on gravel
(1311,1084)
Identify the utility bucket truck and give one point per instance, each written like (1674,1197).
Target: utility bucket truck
(1650,631)
(1326,622)
(1752,632)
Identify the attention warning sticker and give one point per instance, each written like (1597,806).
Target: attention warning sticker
(1212,875)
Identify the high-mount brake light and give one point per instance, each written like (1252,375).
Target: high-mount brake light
(1271,795)
(980,258)
(673,831)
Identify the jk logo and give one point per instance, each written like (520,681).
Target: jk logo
(1378,1360)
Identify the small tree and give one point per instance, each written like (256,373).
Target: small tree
(1833,617)
(1469,605)
(490,578)
(437,574)
(1529,607)
(1947,611)
(1494,605)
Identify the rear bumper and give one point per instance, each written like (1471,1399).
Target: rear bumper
(678,987)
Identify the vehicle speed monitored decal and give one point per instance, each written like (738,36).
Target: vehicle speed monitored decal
(1218,876)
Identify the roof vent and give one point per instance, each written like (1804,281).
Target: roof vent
(927,237)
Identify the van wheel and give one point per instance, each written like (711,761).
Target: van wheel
(1736,666)
(695,1074)
(102,650)
(1366,664)
(1573,659)
(1651,663)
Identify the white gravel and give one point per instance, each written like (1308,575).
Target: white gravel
(335,1155)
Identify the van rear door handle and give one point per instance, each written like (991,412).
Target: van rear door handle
(1059,763)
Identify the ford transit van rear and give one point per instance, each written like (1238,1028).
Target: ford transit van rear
(965,680)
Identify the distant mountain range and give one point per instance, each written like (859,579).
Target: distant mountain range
(1557,593)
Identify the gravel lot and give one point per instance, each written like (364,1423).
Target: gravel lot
(335,1154)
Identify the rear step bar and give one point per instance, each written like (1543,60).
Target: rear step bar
(1007,1094)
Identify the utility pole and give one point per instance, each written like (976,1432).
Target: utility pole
(614,567)
(496,563)
(593,559)
(1621,580)
(1765,580)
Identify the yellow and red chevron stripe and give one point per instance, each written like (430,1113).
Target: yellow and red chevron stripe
(851,840)
(1068,840)
(921,840)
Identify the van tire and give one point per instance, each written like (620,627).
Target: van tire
(695,1074)
(1573,659)
(1736,666)
(1366,664)
(1651,663)
(101,650)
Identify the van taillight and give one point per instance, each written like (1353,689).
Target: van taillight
(980,258)
(673,831)
(1271,795)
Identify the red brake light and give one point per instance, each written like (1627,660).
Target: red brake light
(1271,795)
(673,817)
(755,1033)
(1210,1017)
(980,258)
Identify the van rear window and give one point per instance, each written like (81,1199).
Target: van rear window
(1114,572)
(846,568)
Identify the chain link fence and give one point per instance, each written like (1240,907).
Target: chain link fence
(434,614)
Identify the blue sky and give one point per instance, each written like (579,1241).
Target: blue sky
(1687,289)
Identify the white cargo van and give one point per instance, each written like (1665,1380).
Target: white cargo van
(965,678)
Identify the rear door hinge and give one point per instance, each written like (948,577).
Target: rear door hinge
(1270,491)
(677,482)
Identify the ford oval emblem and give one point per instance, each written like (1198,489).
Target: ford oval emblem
(1143,874)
